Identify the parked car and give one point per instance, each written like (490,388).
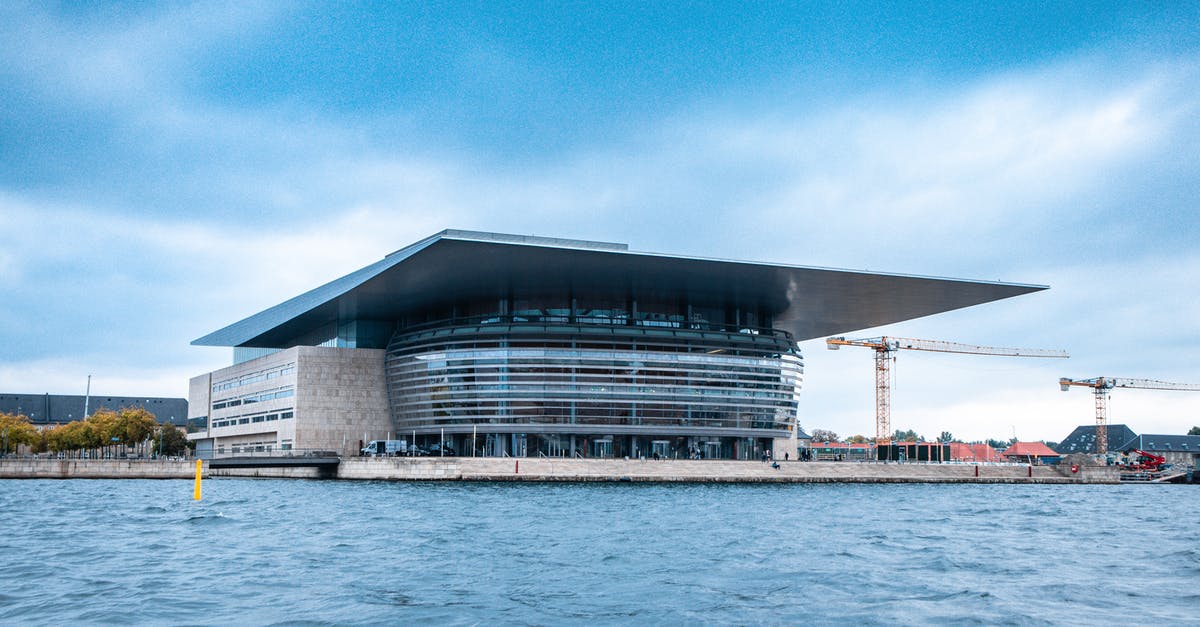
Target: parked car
(435,450)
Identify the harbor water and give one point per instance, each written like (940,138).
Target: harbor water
(330,552)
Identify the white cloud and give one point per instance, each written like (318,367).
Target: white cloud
(128,60)
(1123,319)
(990,180)
(114,378)
(1014,156)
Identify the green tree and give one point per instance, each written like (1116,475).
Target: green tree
(1194,431)
(946,436)
(172,440)
(824,435)
(857,439)
(15,430)
(907,436)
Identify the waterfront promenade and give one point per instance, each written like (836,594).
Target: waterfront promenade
(559,469)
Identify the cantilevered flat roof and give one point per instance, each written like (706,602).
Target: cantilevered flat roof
(456,266)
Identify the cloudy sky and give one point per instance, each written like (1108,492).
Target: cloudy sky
(168,169)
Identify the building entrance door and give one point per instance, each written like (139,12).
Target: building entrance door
(494,445)
(712,450)
(602,448)
(660,449)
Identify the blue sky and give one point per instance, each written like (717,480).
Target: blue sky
(168,169)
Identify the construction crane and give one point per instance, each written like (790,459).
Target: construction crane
(885,347)
(1101,385)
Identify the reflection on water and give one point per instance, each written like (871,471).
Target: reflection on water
(267,551)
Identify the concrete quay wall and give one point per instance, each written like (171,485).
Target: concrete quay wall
(26,468)
(278,472)
(553,469)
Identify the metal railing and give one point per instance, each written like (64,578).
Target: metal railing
(267,453)
(92,456)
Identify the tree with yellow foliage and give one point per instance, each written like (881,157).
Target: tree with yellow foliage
(16,430)
(134,425)
(130,426)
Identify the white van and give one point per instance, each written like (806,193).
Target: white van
(385,448)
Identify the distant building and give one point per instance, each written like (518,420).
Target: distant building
(1030,452)
(803,442)
(842,451)
(1183,450)
(1083,439)
(56,409)
(914,452)
(985,453)
(961,452)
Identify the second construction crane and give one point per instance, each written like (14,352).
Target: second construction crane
(885,347)
(1101,385)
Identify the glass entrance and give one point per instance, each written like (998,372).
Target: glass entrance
(602,448)
(494,445)
(660,449)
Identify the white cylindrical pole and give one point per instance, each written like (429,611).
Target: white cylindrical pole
(87,397)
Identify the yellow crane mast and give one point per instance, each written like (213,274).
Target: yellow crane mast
(1100,387)
(885,349)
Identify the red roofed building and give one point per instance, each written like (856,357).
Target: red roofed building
(985,453)
(1031,452)
(960,452)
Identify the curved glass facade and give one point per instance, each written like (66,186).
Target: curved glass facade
(572,387)
(500,344)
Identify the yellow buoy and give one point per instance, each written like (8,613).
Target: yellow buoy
(196,488)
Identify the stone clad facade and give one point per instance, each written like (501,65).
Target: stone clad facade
(321,398)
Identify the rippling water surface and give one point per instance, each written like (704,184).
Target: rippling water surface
(275,551)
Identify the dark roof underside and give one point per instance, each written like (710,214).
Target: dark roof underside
(457,266)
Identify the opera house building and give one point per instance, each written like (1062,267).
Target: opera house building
(472,343)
